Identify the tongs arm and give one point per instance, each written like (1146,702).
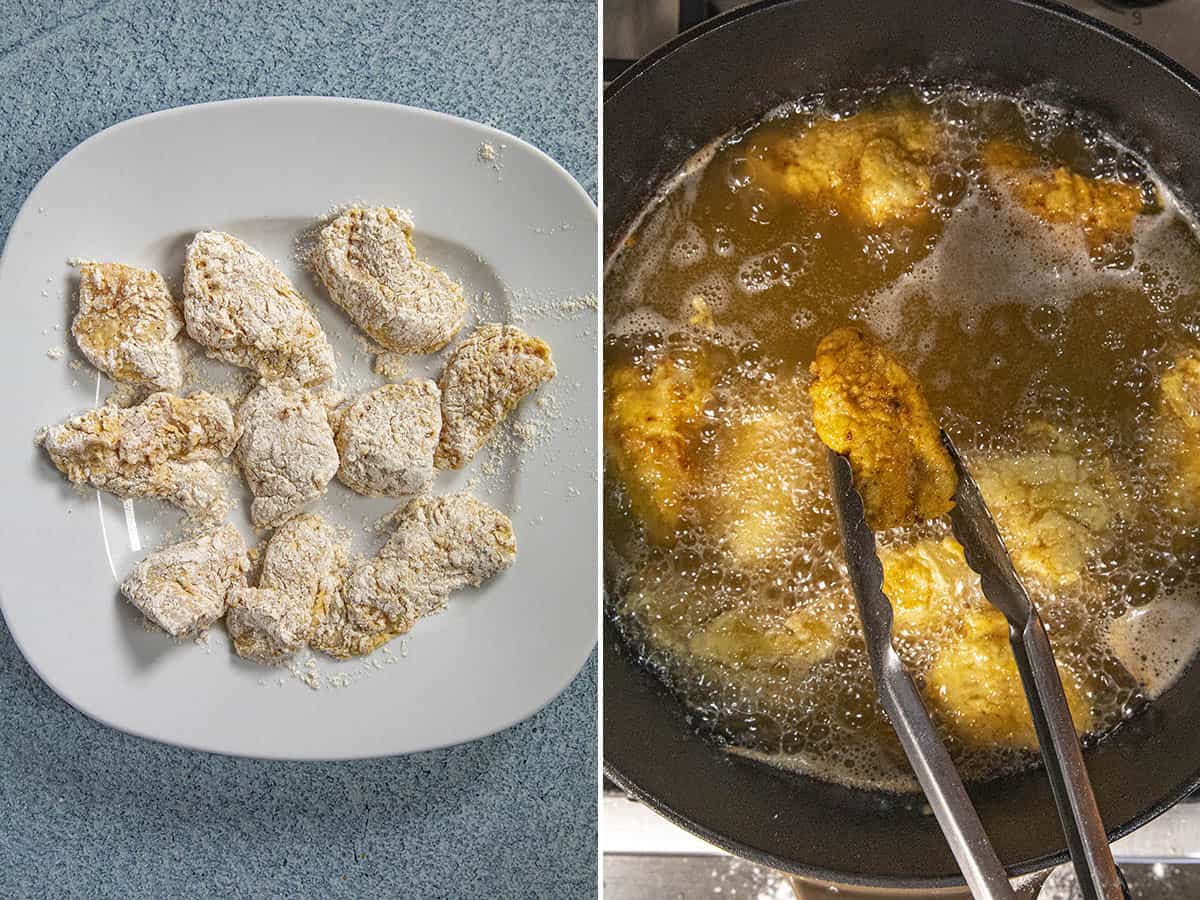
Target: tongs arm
(959,821)
(986,554)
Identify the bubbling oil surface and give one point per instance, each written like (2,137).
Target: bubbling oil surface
(1005,321)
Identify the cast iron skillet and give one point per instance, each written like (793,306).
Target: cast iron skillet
(726,73)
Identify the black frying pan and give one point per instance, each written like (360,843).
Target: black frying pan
(722,75)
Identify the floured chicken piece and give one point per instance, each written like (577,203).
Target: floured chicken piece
(160,449)
(800,639)
(286,450)
(368,263)
(243,310)
(267,626)
(867,406)
(975,690)
(386,439)
(1055,506)
(931,588)
(127,324)
(441,544)
(874,165)
(1178,434)
(485,378)
(649,419)
(761,476)
(1104,209)
(303,567)
(183,588)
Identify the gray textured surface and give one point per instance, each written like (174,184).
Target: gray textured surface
(89,812)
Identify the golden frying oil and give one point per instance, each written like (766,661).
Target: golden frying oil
(1005,321)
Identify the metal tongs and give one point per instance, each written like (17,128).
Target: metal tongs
(986,554)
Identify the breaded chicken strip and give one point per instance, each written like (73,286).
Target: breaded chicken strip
(648,419)
(975,689)
(759,479)
(1104,209)
(867,406)
(874,165)
(1054,505)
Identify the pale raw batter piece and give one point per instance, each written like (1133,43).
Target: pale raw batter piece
(286,450)
(243,310)
(441,544)
(183,588)
(485,378)
(386,439)
(127,323)
(161,449)
(368,263)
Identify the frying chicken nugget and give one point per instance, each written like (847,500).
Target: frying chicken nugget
(874,165)
(801,639)
(1178,434)
(1104,209)
(975,688)
(760,476)
(1054,505)
(867,406)
(930,587)
(648,420)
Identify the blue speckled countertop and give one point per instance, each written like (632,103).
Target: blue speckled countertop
(89,812)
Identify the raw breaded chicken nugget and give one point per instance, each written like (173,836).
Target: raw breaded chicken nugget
(368,263)
(867,406)
(286,450)
(485,378)
(161,449)
(127,324)
(386,439)
(243,310)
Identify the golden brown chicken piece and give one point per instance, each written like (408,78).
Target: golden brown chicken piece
(1054,505)
(648,420)
(867,406)
(761,478)
(874,165)
(975,689)
(1178,434)
(1103,208)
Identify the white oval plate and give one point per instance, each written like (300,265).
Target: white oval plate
(516,228)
